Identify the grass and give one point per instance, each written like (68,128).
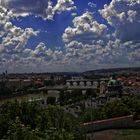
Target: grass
(130,134)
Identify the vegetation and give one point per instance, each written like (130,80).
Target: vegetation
(49,83)
(51,100)
(4,90)
(130,134)
(126,106)
(29,121)
(74,96)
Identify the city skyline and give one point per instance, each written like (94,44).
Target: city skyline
(69,35)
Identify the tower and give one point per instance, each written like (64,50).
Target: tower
(114,87)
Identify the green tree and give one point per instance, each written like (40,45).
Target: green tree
(51,100)
(30,121)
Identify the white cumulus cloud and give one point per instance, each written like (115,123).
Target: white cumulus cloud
(124,16)
(44,8)
(85,29)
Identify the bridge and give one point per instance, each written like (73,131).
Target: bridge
(74,83)
(66,87)
(79,81)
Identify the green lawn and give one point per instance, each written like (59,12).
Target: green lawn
(130,134)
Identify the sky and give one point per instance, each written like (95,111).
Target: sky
(68,35)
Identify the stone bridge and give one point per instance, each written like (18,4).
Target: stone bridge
(72,84)
(66,87)
(82,83)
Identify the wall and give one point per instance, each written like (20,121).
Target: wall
(114,123)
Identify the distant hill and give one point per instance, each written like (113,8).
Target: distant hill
(98,71)
(113,70)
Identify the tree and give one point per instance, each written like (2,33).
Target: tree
(30,121)
(91,93)
(18,131)
(4,90)
(51,100)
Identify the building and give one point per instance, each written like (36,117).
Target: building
(114,87)
(15,84)
(103,87)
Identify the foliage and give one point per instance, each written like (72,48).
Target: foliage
(4,90)
(51,100)
(130,134)
(74,96)
(126,106)
(30,121)
(49,83)
(91,93)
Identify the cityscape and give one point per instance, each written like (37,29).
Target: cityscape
(70,70)
(77,94)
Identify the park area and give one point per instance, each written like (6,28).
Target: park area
(121,134)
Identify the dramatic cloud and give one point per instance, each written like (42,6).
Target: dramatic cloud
(31,59)
(13,50)
(85,29)
(41,51)
(135,55)
(13,38)
(113,54)
(107,49)
(88,43)
(124,15)
(43,8)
